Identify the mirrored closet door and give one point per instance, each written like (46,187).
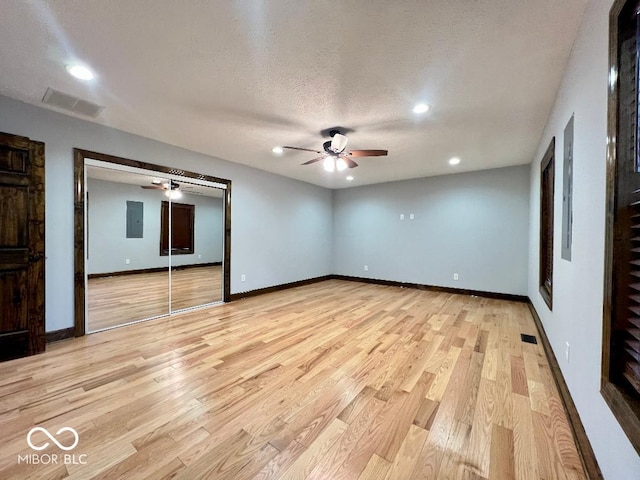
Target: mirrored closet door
(196,239)
(154,245)
(127,278)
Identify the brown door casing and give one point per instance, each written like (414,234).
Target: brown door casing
(22,329)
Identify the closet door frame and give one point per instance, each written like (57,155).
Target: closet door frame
(81,158)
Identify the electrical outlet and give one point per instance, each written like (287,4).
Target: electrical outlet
(456,276)
(402,216)
(366,268)
(566,352)
(127,261)
(411,216)
(199,255)
(243,277)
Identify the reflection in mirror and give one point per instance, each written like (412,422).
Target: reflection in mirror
(127,277)
(196,240)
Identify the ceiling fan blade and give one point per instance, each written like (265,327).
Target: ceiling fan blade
(153,187)
(312,161)
(304,149)
(350,163)
(368,153)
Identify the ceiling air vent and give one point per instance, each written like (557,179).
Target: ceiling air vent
(71,103)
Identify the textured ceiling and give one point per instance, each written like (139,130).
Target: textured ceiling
(234,78)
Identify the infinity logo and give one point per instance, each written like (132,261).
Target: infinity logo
(46,432)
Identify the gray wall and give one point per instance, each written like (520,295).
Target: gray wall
(109,247)
(281,228)
(578,284)
(474,224)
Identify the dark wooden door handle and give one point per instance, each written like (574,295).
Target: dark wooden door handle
(34,257)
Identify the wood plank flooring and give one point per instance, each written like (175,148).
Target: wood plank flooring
(335,380)
(122,299)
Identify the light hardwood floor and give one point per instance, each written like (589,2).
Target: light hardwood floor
(123,299)
(336,380)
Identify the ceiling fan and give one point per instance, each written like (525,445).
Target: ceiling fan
(172,188)
(162,185)
(336,156)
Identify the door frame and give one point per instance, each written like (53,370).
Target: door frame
(79,188)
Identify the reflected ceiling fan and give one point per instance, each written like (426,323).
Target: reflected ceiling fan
(172,189)
(162,185)
(335,155)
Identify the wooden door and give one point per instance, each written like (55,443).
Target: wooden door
(22,330)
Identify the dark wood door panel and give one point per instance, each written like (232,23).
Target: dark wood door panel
(14,212)
(36,271)
(14,345)
(13,160)
(14,301)
(13,258)
(22,215)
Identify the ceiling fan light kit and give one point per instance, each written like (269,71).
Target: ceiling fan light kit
(173,194)
(335,157)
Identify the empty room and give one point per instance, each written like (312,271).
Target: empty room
(325,240)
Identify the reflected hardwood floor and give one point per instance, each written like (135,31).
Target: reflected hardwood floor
(123,299)
(336,380)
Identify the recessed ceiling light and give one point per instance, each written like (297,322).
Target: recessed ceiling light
(277,150)
(350,178)
(454,161)
(80,72)
(421,108)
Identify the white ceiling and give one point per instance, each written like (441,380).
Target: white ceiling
(234,78)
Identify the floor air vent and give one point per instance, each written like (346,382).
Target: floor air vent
(71,103)
(528,338)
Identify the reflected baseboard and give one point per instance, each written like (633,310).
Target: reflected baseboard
(152,270)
